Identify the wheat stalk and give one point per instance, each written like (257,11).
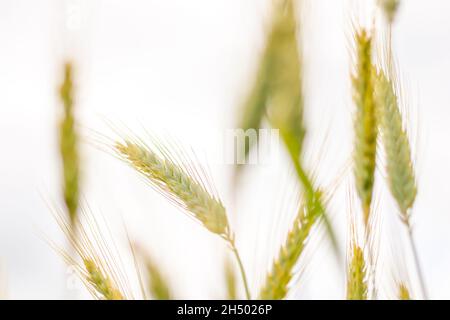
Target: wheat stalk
(365,122)
(183,185)
(230,280)
(68,140)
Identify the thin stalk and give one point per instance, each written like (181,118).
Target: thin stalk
(310,194)
(241,267)
(417,262)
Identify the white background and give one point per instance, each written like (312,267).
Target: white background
(182,67)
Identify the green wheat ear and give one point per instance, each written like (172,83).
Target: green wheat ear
(157,284)
(68,141)
(278,82)
(178,184)
(357,288)
(183,185)
(100,282)
(365,122)
(277,280)
(285,89)
(399,165)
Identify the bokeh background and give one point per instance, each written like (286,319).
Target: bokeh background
(181,68)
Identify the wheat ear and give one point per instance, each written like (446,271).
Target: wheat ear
(278,81)
(100,282)
(100,269)
(277,281)
(399,165)
(403,292)
(285,89)
(183,185)
(390,8)
(157,284)
(365,122)
(357,288)
(68,140)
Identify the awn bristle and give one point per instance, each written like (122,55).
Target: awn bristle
(68,140)
(357,288)
(100,282)
(178,184)
(399,165)
(365,122)
(277,281)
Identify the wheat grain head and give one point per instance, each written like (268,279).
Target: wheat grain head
(100,282)
(178,184)
(389,8)
(68,140)
(399,165)
(365,122)
(403,292)
(277,280)
(357,288)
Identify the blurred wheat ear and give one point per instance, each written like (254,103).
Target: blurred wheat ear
(157,284)
(365,121)
(403,292)
(277,280)
(68,144)
(277,95)
(357,288)
(390,8)
(184,185)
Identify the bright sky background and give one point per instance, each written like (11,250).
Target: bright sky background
(181,67)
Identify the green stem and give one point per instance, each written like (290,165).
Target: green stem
(241,267)
(417,262)
(310,194)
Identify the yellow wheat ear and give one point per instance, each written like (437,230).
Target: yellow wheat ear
(357,288)
(403,292)
(365,122)
(68,144)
